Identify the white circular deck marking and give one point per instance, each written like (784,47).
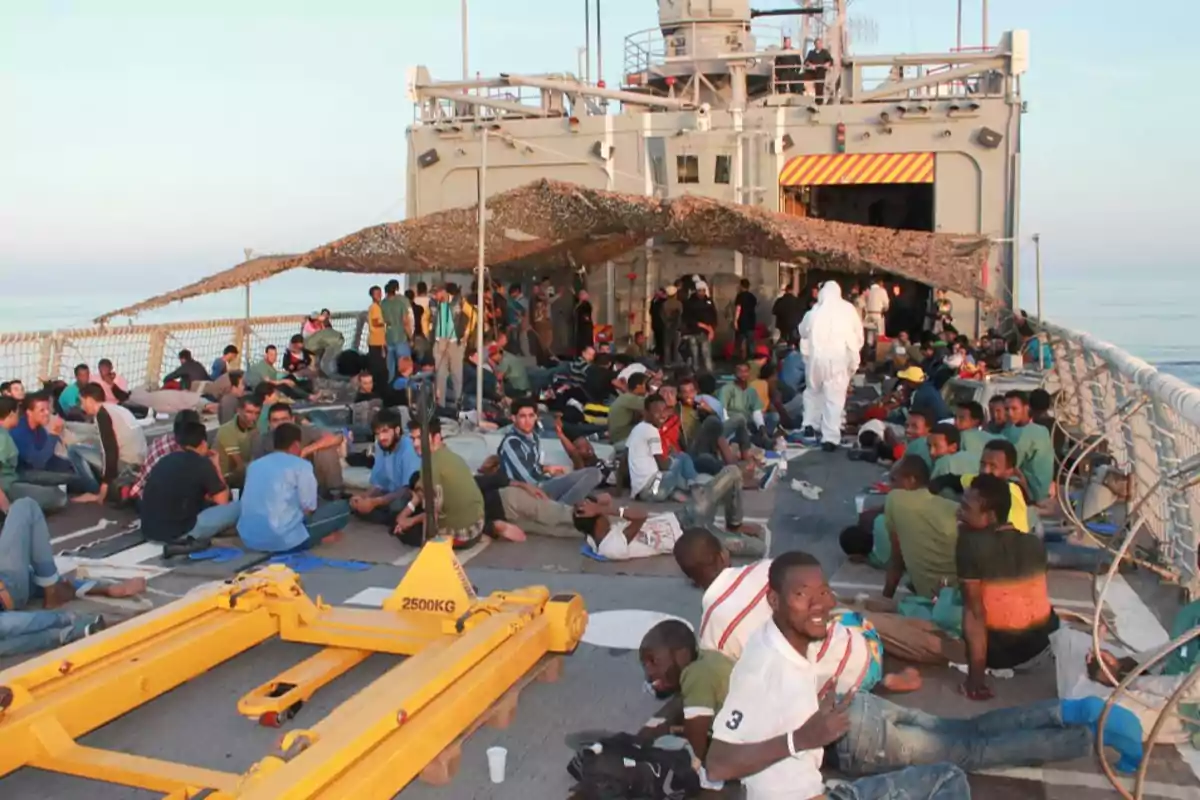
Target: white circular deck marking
(624,628)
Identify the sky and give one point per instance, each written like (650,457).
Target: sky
(145,144)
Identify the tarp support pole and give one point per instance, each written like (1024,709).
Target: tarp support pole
(480,302)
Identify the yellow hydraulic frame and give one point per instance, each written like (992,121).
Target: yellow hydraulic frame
(464,653)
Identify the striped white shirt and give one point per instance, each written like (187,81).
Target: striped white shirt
(735,606)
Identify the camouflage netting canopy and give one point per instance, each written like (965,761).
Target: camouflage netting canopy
(546,225)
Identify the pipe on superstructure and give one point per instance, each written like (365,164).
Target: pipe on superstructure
(571,87)
(480,303)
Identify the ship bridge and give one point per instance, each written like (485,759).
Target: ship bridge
(719,102)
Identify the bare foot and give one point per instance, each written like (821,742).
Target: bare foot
(508,532)
(604,498)
(59,594)
(906,680)
(334,537)
(125,588)
(86,498)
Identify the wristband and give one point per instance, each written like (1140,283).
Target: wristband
(621,512)
(411,507)
(791,743)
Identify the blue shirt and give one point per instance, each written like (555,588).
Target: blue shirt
(34,447)
(714,404)
(69,397)
(926,396)
(394,469)
(280,489)
(516,307)
(219,368)
(791,370)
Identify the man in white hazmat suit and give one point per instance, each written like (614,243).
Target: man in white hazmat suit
(831,342)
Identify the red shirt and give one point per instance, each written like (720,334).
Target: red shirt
(669,432)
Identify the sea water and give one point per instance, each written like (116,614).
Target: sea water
(1152,315)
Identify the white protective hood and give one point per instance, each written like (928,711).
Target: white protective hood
(832,331)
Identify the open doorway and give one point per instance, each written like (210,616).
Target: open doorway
(902,206)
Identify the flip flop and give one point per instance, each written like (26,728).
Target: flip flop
(217,555)
(587,552)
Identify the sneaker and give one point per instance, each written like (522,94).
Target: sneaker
(184,547)
(829,447)
(809,432)
(770,475)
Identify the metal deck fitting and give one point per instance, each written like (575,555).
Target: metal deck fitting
(465,653)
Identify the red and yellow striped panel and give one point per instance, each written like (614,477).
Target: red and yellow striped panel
(852,168)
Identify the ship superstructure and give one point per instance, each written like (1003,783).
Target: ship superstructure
(718,102)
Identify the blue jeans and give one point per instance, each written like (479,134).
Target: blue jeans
(934,782)
(73,471)
(26,556)
(49,498)
(1064,555)
(395,351)
(574,487)
(30,631)
(884,736)
(677,478)
(327,519)
(215,519)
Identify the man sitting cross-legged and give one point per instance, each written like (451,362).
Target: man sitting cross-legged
(280,511)
(322,448)
(783,720)
(636,534)
(185,501)
(396,461)
(457,499)
(27,569)
(521,458)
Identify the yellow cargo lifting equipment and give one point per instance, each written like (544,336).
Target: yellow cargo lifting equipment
(464,652)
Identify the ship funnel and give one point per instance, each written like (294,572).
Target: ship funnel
(702,29)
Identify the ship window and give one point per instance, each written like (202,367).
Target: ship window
(721,174)
(687,169)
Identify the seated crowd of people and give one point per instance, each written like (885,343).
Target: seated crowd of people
(778,684)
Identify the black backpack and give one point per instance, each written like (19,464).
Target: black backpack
(627,770)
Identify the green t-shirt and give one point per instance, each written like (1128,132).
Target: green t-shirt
(8,460)
(927,528)
(704,684)
(1186,657)
(739,403)
(462,502)
(516,376)
(232,440)
(920,447)
(960,463)
(623,414)
(1035,459)
(974,439)
(262,371)
(395,309)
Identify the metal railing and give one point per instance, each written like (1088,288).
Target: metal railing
(143,354)
(1149,423)
(650,48)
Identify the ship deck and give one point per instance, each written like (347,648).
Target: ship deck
(601,687)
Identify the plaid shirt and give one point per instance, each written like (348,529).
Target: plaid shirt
(162,446)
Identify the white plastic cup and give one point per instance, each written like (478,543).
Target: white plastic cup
(496,756)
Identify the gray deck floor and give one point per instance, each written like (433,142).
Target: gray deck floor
(600,688)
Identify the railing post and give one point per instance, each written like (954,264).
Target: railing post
(48,356)
(154,358)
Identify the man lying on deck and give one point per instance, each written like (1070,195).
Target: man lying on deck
(637,534)
(27,570)
(780,704)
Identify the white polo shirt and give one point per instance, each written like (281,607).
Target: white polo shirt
(773,691)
